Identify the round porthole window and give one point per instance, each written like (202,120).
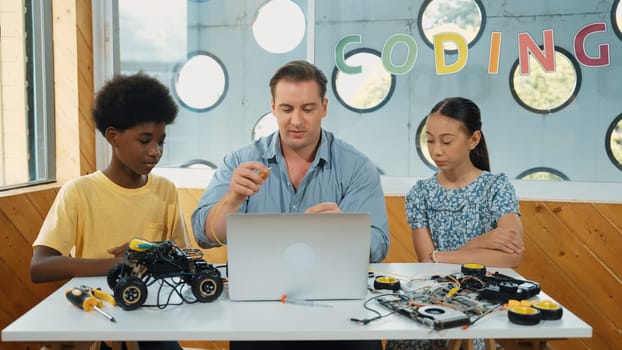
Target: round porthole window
(365,91)
(264,126)
(422,146)
(200,83)
(616,18)
(463,17)
(546,92)
(542,173)
(279,26)
(198,164)
(613,142)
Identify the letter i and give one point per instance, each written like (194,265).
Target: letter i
(495,51)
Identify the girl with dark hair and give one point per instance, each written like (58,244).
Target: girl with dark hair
(464,213)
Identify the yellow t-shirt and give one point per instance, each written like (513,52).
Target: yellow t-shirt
(93,214)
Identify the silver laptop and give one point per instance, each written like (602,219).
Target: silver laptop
(303,256)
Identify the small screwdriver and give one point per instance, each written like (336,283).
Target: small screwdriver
(83,299)
(287,300)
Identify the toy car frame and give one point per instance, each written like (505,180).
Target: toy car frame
(147,262)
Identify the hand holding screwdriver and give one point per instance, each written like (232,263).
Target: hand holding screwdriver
(82,298)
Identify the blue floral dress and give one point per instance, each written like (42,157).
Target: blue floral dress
(454,217)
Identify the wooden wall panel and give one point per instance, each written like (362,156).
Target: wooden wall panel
(565,262)
(612,213)
(21,217)
(562,253)
(540,264)
(401,247)
(571,258)
(73,94)
(586,222)
(85,83)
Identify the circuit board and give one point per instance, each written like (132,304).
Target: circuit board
(442,303)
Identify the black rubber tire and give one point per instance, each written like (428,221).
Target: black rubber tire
(207,287)
(130,293)
(117,272)
(388,283)
(550,311)
(473,269)
(524,315)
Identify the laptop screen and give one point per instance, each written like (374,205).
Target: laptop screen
(306,256)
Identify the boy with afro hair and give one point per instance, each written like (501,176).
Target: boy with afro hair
(93,217)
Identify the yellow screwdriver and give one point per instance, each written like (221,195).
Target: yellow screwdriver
(83,299)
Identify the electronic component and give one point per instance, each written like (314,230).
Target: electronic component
(501,288)
(435,316)
(462,298)
(443,317)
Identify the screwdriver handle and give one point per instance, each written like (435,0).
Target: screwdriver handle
(82,299)
(101,295)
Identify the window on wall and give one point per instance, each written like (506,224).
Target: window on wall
(463,17)
(367,90)
(543,91)
(422,145)
(613,142)
(616,17)
(217,57)
(265,125)
(542,173)
(279,26)
(26,102)
(200,83)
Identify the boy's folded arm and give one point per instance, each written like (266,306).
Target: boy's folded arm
(49,265)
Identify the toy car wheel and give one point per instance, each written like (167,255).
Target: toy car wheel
(206,287)
(130,293)
(116,273)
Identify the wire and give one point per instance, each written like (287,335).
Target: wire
(177,288)
(455,289)
(487,312)
(399,275)
(378,316)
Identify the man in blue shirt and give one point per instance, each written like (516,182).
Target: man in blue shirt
(299,169)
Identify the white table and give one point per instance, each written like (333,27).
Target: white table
(54,319)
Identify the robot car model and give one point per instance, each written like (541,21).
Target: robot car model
(147,262)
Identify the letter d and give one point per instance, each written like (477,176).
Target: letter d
(439,53)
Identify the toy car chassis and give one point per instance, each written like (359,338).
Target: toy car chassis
(147,262)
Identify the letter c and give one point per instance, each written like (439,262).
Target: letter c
(340,60)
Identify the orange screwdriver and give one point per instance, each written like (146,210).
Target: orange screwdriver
(83,299)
